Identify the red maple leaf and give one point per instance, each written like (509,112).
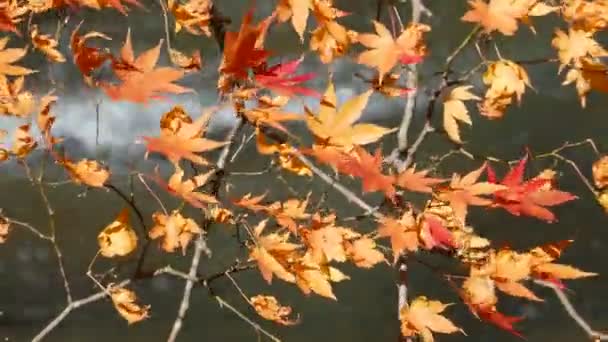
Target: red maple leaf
(527,197)
(369,168)
(499,319)
(435,234)
(280,78)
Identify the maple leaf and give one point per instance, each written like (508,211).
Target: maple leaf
(86,171)
(544,268)
(385,51)
(280,78)
(242,49)
(117,238)
(288,212)
(124,302)
(140,80)
(500,15)
(417,181)
(269,113)
(490,314)
(98,4)
(507,269)
(45,120)
(269,308)
(297,11)
(5,224)
(403,233)
(368,168)
(454,110)
(180,138)
(11,13)
(433,233)
(272,253)
(251,203)
(505,79)
(331,40)
(186,189)
(315,277)
(585,15)
(576,45)
(325,240)
(46,44)
(529,197)
(363,252)
(9,56)
(389,85)
(600,172)
(15,101)
(335,126)
(187,63)
(287,157)
(423,317)
(176,230)
(23,142)
(465,191)
(85,57)
(590,75)
(193,15)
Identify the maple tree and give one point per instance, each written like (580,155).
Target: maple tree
(409,209)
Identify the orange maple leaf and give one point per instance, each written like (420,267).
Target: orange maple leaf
(273,253)
(418,181)
(385,51)
(403,233)
(140,82)
(243,49)
(368,168)
(465,191)
(182,140)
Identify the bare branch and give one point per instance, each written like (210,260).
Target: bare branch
(253,324)
(594,335)
(71,307)
(201,245)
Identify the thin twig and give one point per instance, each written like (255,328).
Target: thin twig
(71,307)
(253,324)
(594,335)
(152,193)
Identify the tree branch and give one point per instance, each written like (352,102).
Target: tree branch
(594,335)
(201,245)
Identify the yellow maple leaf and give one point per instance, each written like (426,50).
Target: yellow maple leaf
(175,230)
(454,110)
(270,308)
(9,56)
(505,79)
(124,302)
(118,238)
(590,75)
(86,171)
(423,317)
(193,15)
(336,126)
(46,44)
(575,45)
(273,254)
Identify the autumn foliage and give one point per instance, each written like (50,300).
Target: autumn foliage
(296,238)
